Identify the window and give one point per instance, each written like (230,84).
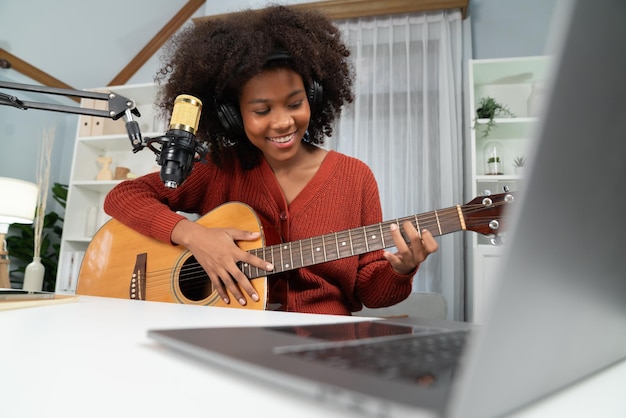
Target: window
(406,124)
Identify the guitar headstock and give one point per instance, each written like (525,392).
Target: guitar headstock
(485,214)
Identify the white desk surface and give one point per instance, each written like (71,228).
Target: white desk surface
(92,358)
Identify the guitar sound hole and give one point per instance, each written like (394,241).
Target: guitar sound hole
(193,281)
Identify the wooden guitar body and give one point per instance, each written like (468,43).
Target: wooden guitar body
(123,263)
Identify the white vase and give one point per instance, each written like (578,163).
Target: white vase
(33,275)
(535,100)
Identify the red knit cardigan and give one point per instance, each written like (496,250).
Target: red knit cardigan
(342,195)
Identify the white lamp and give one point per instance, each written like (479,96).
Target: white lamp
(18,200)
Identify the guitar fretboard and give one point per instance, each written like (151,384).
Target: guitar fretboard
(348,243)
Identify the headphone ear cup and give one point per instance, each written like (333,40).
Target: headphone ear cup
(315,96)
(230,118)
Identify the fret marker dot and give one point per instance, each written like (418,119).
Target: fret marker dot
(373,237)
(343,243)
(287,265)
(318,249)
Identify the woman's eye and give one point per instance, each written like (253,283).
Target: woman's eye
(296,104)
(262,112)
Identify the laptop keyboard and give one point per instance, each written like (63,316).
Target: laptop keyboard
(427,359)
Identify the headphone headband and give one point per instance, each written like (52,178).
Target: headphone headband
(279,54)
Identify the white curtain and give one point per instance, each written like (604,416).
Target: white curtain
(406,124)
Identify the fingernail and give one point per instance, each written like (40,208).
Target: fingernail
(393,227)
(255,297)
(242,301)
(226,300)
(269,267)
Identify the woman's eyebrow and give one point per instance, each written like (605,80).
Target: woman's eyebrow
(263,100)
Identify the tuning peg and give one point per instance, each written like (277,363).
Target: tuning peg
(506,189)
(486,192)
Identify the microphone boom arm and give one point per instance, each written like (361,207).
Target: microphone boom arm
(178,147)
(118,106)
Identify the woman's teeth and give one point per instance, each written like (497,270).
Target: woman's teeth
(281,139)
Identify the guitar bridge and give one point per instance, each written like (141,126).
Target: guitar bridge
(137,288)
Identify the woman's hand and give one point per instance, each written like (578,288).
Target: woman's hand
(411,254)
(217,252)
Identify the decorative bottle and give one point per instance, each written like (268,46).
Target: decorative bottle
(33,275)
(535,100)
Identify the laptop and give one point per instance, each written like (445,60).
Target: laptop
(558,314)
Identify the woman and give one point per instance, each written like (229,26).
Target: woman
(272,82)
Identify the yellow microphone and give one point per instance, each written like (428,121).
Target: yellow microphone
(186,114)
(179,146)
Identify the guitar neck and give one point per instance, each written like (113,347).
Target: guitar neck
(351,242)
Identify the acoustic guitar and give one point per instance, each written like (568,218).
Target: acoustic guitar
(120,262)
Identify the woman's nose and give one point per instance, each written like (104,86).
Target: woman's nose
(282,120)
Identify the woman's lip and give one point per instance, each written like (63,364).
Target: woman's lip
(282,139)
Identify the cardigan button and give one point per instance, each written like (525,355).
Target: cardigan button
(283,216)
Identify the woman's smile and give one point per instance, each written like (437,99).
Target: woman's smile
(283,140)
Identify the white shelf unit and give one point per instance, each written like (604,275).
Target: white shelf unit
(518,84)
(101,137)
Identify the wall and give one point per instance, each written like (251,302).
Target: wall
(500,28)
(21,133)
(510,28)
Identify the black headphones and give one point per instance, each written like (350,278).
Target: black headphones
(230,117)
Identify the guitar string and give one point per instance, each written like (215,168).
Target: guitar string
(194,270)
(190,273)
(197,269)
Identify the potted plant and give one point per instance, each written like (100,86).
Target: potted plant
(494,165)
(489,108)
(519,163)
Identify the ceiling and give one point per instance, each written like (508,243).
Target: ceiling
(86,43)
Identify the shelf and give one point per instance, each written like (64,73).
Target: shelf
(96,138)
(118,142)
(121,154)
(498,177)
(80,240)
(518,84)
(505,128)
(506,121)
(510,81)
(101,186)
